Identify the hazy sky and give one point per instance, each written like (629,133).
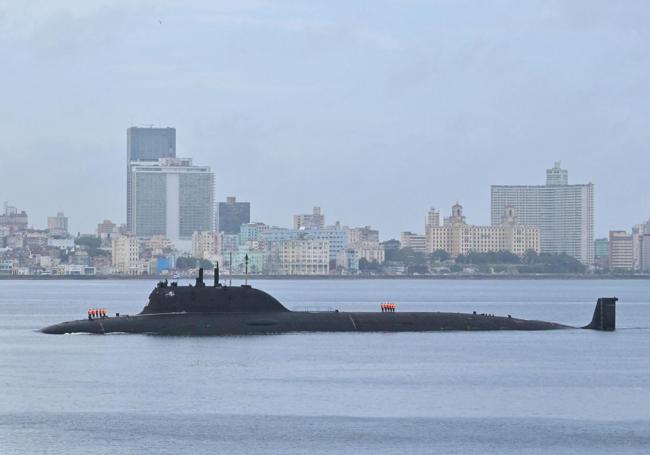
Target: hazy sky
(373,110)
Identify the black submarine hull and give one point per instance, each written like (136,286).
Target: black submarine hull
(243,310)
(205,324)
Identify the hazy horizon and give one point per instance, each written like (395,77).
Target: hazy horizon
(375,114)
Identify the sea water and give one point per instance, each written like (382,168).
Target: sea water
(567,391)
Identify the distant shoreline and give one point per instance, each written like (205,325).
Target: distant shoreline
(224,278)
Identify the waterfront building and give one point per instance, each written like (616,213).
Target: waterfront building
(7,267)
(145,144)
(348,260)
(336,237)
(638,231)
(456,237)
(232,214)
(564,213)
(601,253)
(172,198)
(257,260)
(304,257)
(57,225)
(416,242)
(125,254)
(621,254)
(314,220)
(601,247)
(645,253)
(370,251)
(365,243)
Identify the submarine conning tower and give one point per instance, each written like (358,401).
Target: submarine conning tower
(199,298)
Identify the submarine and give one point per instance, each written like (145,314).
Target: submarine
(200,310)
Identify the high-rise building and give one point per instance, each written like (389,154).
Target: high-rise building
(172,198)
(433,218)
(314,220)
(146,144)
(232,214)
(621,255)
(58,224)
(564,213)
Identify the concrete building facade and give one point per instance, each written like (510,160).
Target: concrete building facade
(145,144)
(416,242)
(57,225)
(621,251)
(564,213)
(205,244)
(125,254)
(456,237)
(304,257)
(232,214)
(645,253)
(172,198)
(314,220)
(13,219)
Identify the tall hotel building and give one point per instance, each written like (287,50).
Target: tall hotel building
(564,213)
(145,144)
(171,197)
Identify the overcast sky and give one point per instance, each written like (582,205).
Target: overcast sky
(373,110)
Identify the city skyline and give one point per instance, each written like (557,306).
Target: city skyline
(291,218)
(342,107)
(496,211)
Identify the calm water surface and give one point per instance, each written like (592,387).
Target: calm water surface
(573,391)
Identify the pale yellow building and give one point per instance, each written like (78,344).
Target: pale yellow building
(205,244)
(370,251)
(304,257)
(125,253)
(456,237)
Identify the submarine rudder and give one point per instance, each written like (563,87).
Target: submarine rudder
(604,318)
